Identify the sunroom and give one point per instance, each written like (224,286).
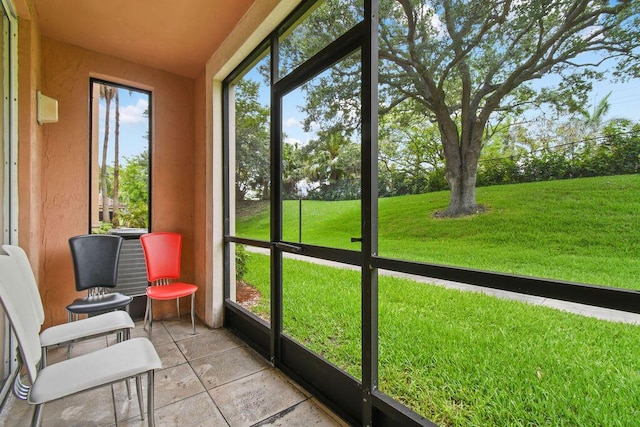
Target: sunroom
(418,212)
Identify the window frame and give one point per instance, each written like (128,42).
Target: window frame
(10,175)
(149,93)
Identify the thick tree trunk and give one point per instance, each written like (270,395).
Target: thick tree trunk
(461,169)
(240,193)
(462,182)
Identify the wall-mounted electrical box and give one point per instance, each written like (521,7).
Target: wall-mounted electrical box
(47,109)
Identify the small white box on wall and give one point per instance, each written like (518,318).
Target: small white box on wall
(47,109)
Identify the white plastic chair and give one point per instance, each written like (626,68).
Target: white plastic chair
(65,334)
(103,324)
(127,359)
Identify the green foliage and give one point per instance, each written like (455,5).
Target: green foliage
(617,152)
(317,30)
(332,162)
(136,215)
(252,142)
(292,170)
(241,261)
(411,160)
(109,180)
(612,150)
(134,191)
(103,228)
(621,150)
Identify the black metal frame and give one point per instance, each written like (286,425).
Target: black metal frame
(92,81)
(369,210)
(357,402)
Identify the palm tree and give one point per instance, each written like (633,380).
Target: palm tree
(106,93)
(592,122)
(116,164)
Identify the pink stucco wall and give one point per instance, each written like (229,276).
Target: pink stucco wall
(29,141)
(64,181)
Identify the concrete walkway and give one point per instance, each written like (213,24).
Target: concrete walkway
(582,309)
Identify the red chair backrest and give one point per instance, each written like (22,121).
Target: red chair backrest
(162,252)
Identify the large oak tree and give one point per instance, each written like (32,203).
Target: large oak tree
(467,63)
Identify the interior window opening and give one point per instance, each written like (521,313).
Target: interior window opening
(120,158)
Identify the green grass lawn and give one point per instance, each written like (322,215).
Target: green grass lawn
(583,230)
(466,359)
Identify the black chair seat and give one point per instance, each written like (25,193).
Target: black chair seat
(95,304)
(95,265)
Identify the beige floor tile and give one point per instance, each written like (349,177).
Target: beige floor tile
(16,413)
(91,408)
(214,341)
(306,414)
(159,335)
(181,329)
(255,398)
(174,384)
(245,388)
(57,354)
(170,355)
(195,411)
(220,368)
(171,385)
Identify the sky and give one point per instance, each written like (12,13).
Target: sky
(624,100)
(133,125)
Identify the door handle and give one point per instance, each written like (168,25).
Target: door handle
(356,239)
(287,247)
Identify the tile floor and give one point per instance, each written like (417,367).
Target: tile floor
(208,379)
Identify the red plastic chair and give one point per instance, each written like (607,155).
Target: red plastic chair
(162,252)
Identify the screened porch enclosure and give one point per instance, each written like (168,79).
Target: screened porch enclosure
(351,143)
(420,212)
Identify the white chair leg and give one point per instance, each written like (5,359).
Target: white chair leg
(113,400)
(43,360)
(36,420)
(128,388)
(193,320)
(178,305)
(69,320)
(150,405)
(150,315)
(124,335)
(146,313)
(140,397)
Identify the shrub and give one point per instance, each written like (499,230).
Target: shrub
(242,257)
